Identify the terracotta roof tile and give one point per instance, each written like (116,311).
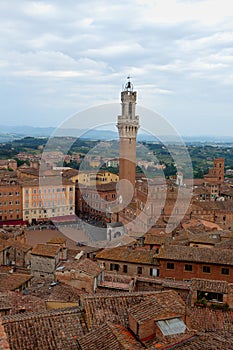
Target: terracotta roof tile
(195,254)
(128,254)
(207,341)
(40,287)
(57,240)
(4,344)
(210,285)
(113,307)
(16,244)
(49,330)
(13,281)
(109,336)
(18,302)
(85,265)
(166,304)
(48,250)
(155,239)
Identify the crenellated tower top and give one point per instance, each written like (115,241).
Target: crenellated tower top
(128,121)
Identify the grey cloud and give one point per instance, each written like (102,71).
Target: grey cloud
(57,57)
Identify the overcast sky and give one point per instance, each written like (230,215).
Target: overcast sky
(61,57)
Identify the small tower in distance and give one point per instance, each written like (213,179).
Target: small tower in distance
(128,125)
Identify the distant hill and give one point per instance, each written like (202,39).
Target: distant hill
(26,130)
(9,133)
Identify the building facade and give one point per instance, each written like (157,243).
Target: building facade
(43,200)
(10,201)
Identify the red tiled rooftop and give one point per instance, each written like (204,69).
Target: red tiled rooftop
(47,250)
(209,341)
(4,344)
(128,254)
(57,240)
(49,330)
(112,307)
(166,304)
(17,302)
(85,265)
(13,281)
(109,336)
(195,254)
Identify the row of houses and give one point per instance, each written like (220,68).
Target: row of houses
(30,195)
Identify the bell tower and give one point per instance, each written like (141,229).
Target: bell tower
(128,125)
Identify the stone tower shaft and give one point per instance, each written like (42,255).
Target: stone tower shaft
(128,125)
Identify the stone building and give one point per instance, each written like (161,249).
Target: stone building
(129,261)
(45,258)
(19,253)
(83,274)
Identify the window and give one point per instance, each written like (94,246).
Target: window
(139,269)
(154,272)
(125,268)
(170,266)
(211,296)
(206,269)
(188,267)
(114,267)
(225,271)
